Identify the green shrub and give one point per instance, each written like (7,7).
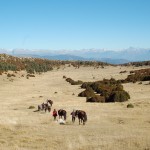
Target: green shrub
(64,77)
(119,87)
(118,96)
(72,82)
(30,75)
(106,88)
(146,78)
(96,98)
(86,84)
(69,80)
(139,75)
(95,85)
(79,82)
(130,106)
(87,93)
(31,107)
(10,75)
(76,82)
(123,71)
(4,66)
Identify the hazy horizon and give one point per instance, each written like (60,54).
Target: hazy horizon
(82,49)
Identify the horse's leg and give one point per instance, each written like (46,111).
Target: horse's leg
(83,122)
(49,109)
(64,117)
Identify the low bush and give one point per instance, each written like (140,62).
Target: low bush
(118,96)
(31,107)
(130,106)
(123,71)
(72,82)
(69,80)
(10,75)
(87,93)
(138,75)
(64,77)
(96,98)
(30,75)
(86,85)
(146,78)
(76,82)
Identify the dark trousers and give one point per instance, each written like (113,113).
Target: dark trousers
(73,119)
(54,117)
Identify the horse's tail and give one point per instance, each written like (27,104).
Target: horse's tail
(85,117)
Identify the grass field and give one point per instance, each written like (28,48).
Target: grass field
(110,126)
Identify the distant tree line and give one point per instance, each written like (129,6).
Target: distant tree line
(138,64)
(4,66)
(36,65)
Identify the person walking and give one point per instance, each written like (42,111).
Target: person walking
(73,116)
(54,114)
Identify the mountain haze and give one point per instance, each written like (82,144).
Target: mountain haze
(110,56)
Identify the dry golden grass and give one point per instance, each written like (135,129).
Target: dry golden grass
(110,126)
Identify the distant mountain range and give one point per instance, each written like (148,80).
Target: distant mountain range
(110,56)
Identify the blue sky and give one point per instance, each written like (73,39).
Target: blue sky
(74,24)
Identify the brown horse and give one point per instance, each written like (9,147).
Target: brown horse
(50,102)
(81,116)
(61,113)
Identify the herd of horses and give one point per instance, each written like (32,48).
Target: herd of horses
(82,116)
(45,106)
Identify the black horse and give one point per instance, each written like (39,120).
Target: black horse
(81,116)
(63,113)
(47,107)
(50,102)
